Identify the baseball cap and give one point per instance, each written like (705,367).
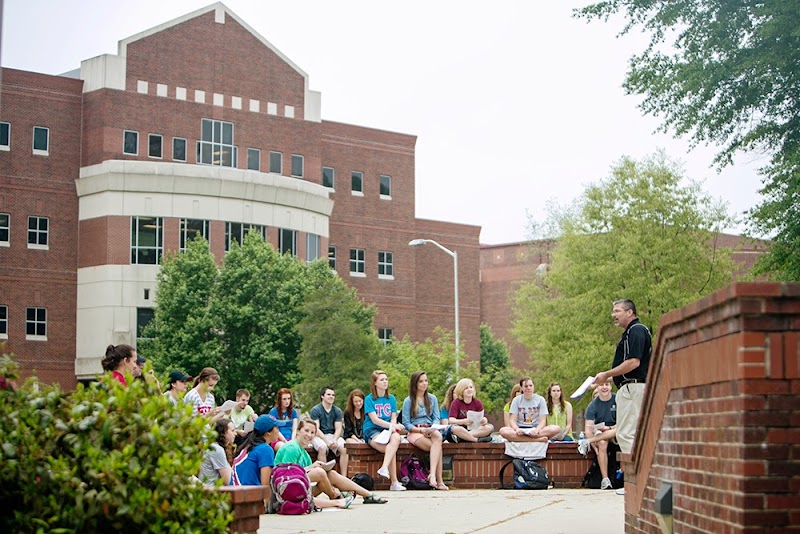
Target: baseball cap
(140,360)
(178,376)
(264,424)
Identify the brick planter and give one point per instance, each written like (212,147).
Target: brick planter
(477,465)
(247,503)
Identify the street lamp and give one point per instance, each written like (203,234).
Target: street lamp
(453,254)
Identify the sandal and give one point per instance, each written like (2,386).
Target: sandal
(442,487)
(374,499)
(348,501)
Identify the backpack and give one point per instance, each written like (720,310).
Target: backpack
(364,480)
(414,474)
(593,477)
(291,491)
(527,475)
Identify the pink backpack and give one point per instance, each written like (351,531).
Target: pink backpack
(291,490)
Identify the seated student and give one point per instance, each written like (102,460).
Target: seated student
(560,412)
(256,468)
(176,387)
(601,422)
(329,425)
(242,412)
(420,411)
(528,413)
(380,410)
(444,407)
(353,425)
(200,397)
(516,390)
(215,464)
(284,412)
(453,433)
(465,401)
(327,481)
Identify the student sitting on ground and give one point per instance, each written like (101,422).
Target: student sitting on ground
(420,411)
(328,482)
(380,410)
(601,422)
(464,402)
(560,412)
(528,412)
(242,412)
(215,464)
(329,425)
(516,390)
(284,412)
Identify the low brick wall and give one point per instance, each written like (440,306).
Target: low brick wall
(247,503)
(477,465)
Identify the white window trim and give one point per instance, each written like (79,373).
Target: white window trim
(353,191)
(302,164)
(269,162)
(358,275)
(5,335)
(247,163)
(123,142)
(149,136)
(6,148)
(332,188)
(33,140)
(37,246)
(185,149)
(7,243)
(386,277)
(381,195)
(35,337)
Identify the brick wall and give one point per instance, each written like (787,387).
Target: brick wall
(720,420)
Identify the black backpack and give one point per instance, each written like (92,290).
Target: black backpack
(593,477)
(527,475)
(364,480)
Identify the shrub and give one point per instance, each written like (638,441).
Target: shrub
(102,458)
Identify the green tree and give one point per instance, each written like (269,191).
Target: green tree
(182,332)
(496,376)
(727,72)
(257,303)
(339,343)
(639,234)
(436,357)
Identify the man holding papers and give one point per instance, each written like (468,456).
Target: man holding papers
(528,419)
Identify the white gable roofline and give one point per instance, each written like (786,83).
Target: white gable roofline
(221,11)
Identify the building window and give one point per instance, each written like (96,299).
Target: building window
(297,166)
(357,263)
(287,241)
(41,141)
(237,231)
(332,257)
(275,162)
(38,229)
(216,145)
(5,136)
(147,240)
(155,146)
(143,318)
(36,323)
(386,186)
(191,228)
(312,247)
(385,335)
(357,180)
(3,322)
(178,149)
(5,229)
(385,265)
(253,159)
(328,175)
(130,143)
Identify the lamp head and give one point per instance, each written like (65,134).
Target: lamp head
(417,242)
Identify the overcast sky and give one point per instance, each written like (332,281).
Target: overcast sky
(514,103)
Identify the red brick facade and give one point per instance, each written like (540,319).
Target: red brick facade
(720,420)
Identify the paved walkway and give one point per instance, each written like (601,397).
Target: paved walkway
(465,511)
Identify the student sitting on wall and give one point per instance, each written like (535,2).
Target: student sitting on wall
(601,422)
(420,411)
(528,412)
(465,402)
(560,412)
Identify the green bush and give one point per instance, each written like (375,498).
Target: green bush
(102,458)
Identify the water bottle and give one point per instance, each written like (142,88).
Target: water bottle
(581,435)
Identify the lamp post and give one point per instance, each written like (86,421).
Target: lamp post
(453,254)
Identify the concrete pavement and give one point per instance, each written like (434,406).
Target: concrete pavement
(465,511)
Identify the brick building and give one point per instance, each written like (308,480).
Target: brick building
(199,126)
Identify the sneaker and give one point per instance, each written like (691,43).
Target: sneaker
(605,484)
(384,472)
(454,439)
(620,491)
(485,439)
(396,486)
(583,447)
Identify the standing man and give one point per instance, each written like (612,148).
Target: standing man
(329,427)
(631,361)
